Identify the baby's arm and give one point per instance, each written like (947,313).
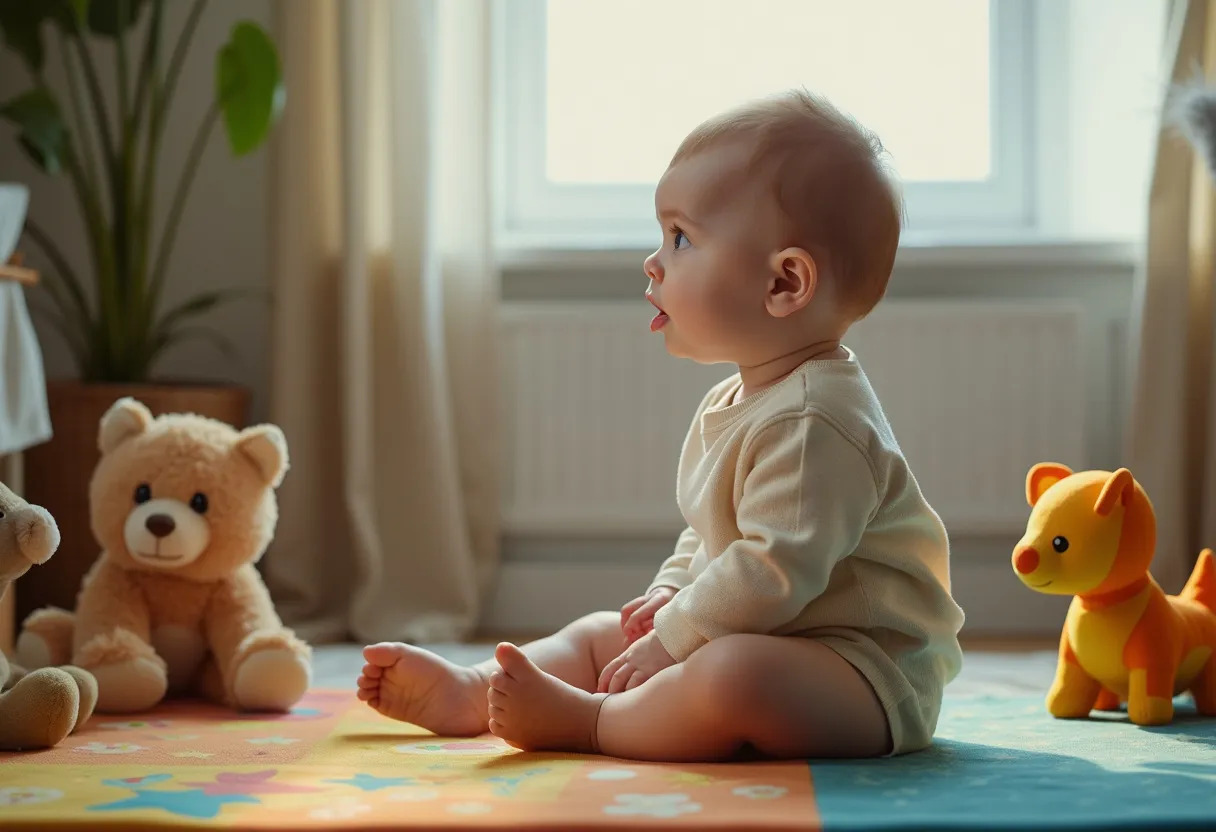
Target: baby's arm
(807,497)
(637,617)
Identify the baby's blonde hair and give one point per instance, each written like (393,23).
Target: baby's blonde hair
(831,181)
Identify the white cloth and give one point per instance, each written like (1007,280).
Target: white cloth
(24,419)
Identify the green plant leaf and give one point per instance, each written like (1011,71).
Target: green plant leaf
(248,86)
(198,305)
(21,24)
(221,343)
(43,134)
(103,15)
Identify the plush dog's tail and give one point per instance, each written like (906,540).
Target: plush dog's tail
(1202,584)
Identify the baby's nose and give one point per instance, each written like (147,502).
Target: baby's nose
(653,268)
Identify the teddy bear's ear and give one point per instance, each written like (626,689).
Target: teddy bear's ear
(1042,477)
(125,418)
(266,447)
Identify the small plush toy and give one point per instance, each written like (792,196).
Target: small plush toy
(39,709)
(183,506)
(1092,535)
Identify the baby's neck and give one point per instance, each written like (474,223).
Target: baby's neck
(761,376)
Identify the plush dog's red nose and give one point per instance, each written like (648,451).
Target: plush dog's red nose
(1026,560)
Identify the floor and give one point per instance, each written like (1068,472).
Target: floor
(999,669)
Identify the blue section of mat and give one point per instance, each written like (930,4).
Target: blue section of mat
(1002,763)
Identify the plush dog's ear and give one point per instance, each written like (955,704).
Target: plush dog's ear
(266,447)
(1042,477)
(1120,488)
(125,418)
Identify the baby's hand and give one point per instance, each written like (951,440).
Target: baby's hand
(641,660)
(637,617)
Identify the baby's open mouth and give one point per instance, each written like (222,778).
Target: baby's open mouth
(659,320)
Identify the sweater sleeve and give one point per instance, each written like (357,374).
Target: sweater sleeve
(675,570)
(807,496)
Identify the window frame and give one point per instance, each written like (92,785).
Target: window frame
(533,213)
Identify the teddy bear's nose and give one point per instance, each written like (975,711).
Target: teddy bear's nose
(161,525)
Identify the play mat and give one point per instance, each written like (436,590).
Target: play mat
(999,763)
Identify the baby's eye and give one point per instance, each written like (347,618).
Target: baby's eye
(679,237)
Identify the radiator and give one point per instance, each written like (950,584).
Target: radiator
(595,411)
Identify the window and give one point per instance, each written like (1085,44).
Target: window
(594,97)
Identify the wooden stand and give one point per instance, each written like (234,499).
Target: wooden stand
(10,469)
(13,270)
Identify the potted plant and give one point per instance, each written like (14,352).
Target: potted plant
(105,138)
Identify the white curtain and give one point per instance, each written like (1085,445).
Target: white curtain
(1171,436)
(383,375)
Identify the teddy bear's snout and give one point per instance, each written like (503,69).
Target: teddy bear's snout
(37,534)
(161,525)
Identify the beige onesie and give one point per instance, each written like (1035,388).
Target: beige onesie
(805,520)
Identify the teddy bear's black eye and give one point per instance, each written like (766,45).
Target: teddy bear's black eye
(199,503)
(1,515)
(143,493)
(1060,544)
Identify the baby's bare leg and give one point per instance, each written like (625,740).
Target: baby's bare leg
(416,686)
(784,697)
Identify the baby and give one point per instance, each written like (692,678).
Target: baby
(806,610)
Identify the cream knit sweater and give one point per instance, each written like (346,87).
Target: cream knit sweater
(804,519)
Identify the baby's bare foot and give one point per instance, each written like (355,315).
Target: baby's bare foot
(418,687)
(534,711)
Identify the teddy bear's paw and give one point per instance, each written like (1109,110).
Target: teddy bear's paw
(129,686)
(271,680)
(39,711)
(46,638)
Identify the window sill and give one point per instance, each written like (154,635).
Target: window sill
(915,251)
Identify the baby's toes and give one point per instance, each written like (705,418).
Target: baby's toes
(500,683)
(496,698)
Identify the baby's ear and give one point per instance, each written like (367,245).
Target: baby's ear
(125,418)
(794,282)
(266,447)
(1042,477)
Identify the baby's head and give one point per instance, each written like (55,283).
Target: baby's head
(780,226)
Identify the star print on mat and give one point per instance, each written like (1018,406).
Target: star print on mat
(275,740)
(256,782)
(372,783)
(190,803)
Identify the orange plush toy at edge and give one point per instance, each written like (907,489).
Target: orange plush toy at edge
(1092,535)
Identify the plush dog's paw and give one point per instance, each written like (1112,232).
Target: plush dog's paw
(1150,710)
(1070,703)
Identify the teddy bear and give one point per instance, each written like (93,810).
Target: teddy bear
(182,506)
(39,709)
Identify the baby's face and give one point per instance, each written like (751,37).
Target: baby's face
(710,276)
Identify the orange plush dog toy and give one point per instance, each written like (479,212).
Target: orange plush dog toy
(1092,535)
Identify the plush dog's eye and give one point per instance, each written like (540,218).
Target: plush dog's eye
(1060,544)
(143,493)
(199,503)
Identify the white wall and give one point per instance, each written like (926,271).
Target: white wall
(223,237)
